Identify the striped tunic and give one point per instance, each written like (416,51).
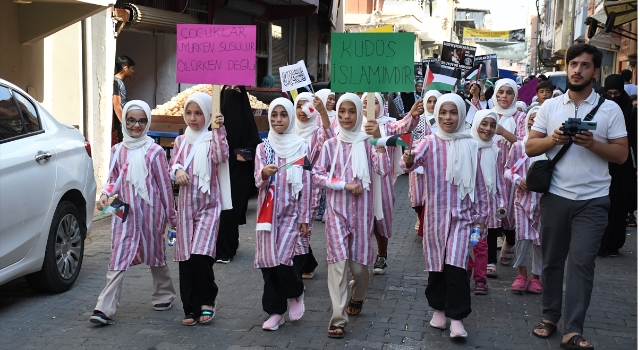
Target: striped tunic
(498,200)
(317,140)
(141,238)
(348,218)
(385,225)
(277,247)
(199,213)
(527,203)
(447,219)
(416,177)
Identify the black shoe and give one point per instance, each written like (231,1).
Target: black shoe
(100,318)
(223,260)
(162,307)
(380,265)
(614,253)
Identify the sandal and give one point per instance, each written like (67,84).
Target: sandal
(520,284)
(574,343)
(308,275)
(506,254)
(190,317)
(546,326)
(535,287)
(208,312)
(492,271)
(631,220)
(335,328)
(356,306)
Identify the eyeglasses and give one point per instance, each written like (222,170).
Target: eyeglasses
(131,122)
(613,93)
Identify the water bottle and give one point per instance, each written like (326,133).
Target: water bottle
(475,235)
(171,234)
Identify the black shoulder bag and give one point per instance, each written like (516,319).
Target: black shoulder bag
(541,171)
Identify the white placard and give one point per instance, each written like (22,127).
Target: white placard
(294,76)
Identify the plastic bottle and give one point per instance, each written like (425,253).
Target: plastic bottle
(171,234)
(475,235)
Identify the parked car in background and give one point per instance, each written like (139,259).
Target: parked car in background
(47,194)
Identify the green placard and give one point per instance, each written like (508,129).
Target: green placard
(372,62)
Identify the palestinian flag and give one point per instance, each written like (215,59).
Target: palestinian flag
(118,208)
(302,161)
(472,74)
(440,78)
(394,140)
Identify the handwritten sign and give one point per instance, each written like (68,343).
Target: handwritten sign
(216,54)
(457,56)
(372,62)
(294,76)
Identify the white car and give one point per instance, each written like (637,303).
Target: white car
(47,194)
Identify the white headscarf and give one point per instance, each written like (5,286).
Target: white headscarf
(489,150)
(506,114)
(308,128)
(428,116)
(356,137)
(137,172)
(382,120)
(462,152)
(288,145)
(324,96)
(556,93)
(522,105)
(533,109)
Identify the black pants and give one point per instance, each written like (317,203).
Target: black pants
(492,242)
(280,283)
(449,291)
(510,237)
(616,233)
(305,263)
(228,235)
(197,283)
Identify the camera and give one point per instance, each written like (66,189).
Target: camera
(573,126)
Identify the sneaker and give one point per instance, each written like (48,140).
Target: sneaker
(380,265)
(273,323)
(100,318)
(223,260)
(317,218)
(296,308)
(162,307)
(481,287)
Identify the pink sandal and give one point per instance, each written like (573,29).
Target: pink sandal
(535,287)
(520,284)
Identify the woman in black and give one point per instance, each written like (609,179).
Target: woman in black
(242,133)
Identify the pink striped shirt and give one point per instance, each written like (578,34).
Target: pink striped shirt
(526,203)
(199,213)
(348,218)
(277,247)
(141,238)
(416,180)
(447,219)
(498,200)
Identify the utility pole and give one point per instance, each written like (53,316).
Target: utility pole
(572,16)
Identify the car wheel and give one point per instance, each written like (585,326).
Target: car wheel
(64,253)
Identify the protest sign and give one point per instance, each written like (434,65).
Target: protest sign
(457,55)
(294,76)
(372,62)
(425,64)
(216,54)
(418,70)
(489,66)
(477,35)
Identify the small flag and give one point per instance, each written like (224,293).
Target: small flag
(118,208)
(309,110)
(440,78)
(472,74)
(394,140)
(302,161)
(265,217)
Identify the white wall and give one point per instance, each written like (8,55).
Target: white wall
(65,65)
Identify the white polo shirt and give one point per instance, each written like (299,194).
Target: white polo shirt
(580,174)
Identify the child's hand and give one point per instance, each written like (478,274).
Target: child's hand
(219,119)
(354,188)
(319,105)
(304,229)
(240,158)
(372,128)
(523,184)
(499,129)
(102,202)
(417,108)
(182,178)
(269,171)
(408,157)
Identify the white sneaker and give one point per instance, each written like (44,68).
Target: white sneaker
(296,308)
(273,323)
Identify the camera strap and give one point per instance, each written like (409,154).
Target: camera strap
(564,148)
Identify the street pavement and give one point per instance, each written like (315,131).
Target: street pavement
(395,316)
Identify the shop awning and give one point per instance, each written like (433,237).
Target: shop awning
(625,11)
(42,18)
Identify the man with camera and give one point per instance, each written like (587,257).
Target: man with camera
(574,209)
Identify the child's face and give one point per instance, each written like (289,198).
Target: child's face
(519,108)
(544,94)
(331,103)
(505,96)
(347,114)
(474,90)
(530,121)
(431,104)
(195,116)
(136,121)
(487,129)
(364,106)
(300,114)
(279,119)
(448,117)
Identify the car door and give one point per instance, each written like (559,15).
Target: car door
(27,176)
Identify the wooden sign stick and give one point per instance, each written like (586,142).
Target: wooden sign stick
(215,104)
(371,106)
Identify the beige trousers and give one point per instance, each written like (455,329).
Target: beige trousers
(337,280)
(163,291)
